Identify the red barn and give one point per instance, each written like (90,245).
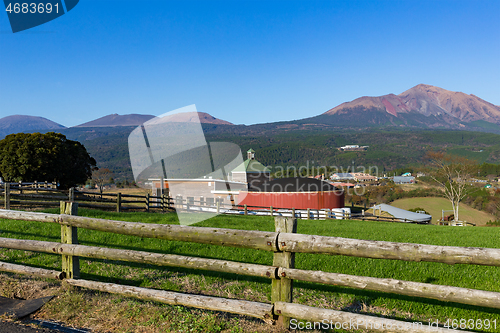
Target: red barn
(298,193)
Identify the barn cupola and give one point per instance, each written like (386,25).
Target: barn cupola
(251,154)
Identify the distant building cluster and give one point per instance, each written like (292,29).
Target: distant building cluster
(403,179)
(353,148)
(353,176)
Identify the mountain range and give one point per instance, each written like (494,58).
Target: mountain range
(19,123)
(421,107)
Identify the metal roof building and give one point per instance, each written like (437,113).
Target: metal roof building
(403,179)
(403,215)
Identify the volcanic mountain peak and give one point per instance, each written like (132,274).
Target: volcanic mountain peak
(204,118)
(427,100)
(113,120)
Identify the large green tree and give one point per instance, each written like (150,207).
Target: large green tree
(44,157)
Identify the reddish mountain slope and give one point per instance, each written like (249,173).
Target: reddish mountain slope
(426,100)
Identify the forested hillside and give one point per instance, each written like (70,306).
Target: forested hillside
(388,150)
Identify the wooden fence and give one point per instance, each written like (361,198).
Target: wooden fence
(47,194)
(284,242)
(26,195)
(40,195)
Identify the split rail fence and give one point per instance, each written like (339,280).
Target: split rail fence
(284,242)
(45,194)
(39,194)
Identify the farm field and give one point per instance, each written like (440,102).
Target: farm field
(84,308)
(434,205)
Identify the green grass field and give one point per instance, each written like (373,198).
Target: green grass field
(258,289)
(434,206)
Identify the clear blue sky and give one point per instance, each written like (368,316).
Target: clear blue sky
(244,61)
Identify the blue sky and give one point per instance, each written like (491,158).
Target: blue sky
(244,61)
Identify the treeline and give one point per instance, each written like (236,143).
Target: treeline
(389,193)
(483,200)
(489,169)
(388,151)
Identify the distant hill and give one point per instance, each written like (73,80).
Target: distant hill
(388,149)
(18,123)
(113,120)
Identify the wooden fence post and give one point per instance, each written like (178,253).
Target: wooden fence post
(147,202)
(308,213)
(271,210)
(69,235)
(119,203)
(293,213)
(218,207)
(71,195)
(165,199)
(282,287)
(246,210)
(7,195)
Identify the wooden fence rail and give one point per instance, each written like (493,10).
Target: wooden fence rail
(284,242)
(253,309)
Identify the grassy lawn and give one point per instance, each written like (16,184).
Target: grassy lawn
(434,206)
(163,318)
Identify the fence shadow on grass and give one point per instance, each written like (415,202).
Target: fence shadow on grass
(366,296)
